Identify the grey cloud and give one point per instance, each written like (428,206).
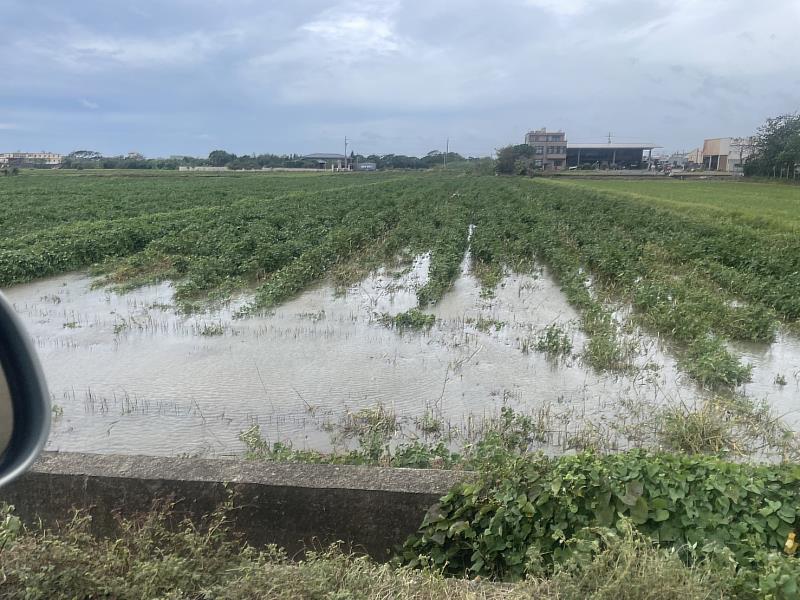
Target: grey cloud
(397,76)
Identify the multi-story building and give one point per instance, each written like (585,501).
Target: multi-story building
(30,159)
(549,148)
(727,154)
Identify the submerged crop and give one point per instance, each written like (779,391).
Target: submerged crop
(696,280)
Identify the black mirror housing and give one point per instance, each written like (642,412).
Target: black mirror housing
(23,395)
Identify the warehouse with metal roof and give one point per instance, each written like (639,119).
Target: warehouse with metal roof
(610,156)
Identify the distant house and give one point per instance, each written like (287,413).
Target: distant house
(694,158)
(549,148)
(367,166)
(41,160)
(337,162)
(727,154)
(552,151)
(686,160)
(203,169)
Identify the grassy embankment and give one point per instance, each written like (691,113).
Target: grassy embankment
(631,525)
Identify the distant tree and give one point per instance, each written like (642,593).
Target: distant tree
(480,166)
(776,148)
(242,163)
(84,155)
(82,158)
(15,171)
(515,160)
(220,158)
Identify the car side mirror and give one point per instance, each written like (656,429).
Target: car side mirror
(24,399)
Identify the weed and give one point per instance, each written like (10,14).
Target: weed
(149,559)
(554,341)
(412,319)
(486,325)
(709,362)
(57,410)
(704,430)
(429,424)
(212,329)
(726,424)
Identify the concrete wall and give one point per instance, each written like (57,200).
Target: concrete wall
(294,506)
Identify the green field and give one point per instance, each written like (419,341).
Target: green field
(700,263)
(758,204)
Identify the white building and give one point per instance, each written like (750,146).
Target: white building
(30,159)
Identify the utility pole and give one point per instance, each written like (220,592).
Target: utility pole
(609,137)
(345,153)
(446,151)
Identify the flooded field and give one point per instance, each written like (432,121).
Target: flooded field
(130,374)
(654,303)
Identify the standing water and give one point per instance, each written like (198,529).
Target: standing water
(128,374)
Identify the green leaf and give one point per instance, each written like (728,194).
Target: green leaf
(770,508)
(633,491)
(786,513)
(639,511)
(661,514)
(555,486)
(457,528)
(604,512)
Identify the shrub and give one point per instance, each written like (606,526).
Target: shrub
(523,519)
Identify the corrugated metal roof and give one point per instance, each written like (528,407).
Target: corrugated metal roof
(326,156)
(575,145)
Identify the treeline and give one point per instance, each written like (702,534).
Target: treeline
(434,158)
(776,150)
(87,159)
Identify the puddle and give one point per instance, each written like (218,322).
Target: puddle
(129,375)
(776,374)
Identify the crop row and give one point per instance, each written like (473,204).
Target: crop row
(697,281)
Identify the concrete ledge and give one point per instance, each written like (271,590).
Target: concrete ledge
(293,505)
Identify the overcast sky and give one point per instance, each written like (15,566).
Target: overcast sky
(399,76)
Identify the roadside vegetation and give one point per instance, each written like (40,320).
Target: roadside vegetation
(150,559)
(637,524)
(687,513)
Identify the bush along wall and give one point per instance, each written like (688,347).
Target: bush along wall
(532,514)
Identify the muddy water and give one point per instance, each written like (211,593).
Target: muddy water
(776,375)
(129,375)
